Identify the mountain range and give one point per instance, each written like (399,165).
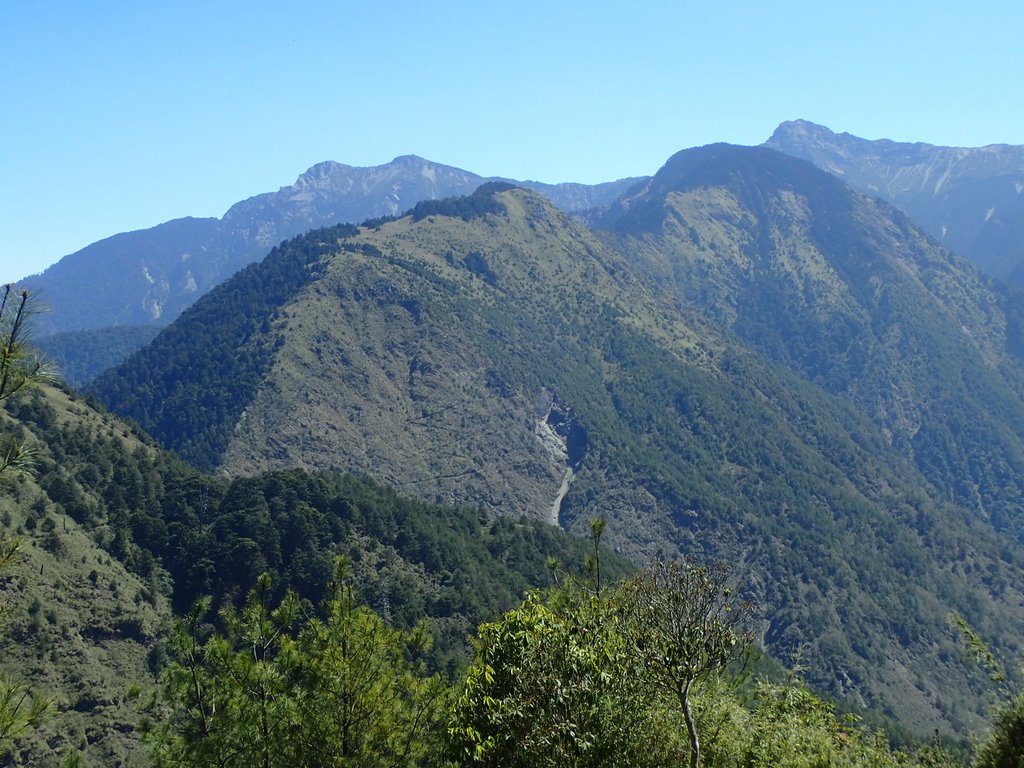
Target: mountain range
(149,276)
(814,373)
(740,358)
(969,199)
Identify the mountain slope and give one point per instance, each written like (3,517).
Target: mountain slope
(151,275)
(970,200)
(81,626)
(81,356)
(849,295)
(491,351)
(114,532)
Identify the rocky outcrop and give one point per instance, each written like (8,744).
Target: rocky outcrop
(565,440)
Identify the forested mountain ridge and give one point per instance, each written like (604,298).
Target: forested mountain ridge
(490,350)
(150,276)
(80,356)
(846,293)
(114,533)
(849,295)
(969,199)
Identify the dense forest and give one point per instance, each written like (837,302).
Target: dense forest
(81,356)
(293,589)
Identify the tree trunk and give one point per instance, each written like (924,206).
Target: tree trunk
(691,726)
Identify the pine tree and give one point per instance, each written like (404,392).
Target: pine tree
(276,688)
(20,368)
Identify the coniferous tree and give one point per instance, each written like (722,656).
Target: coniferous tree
(276,688)
(20,368)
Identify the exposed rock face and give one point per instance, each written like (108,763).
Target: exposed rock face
(565,439)
(969,199)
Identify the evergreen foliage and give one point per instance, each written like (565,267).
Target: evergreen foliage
(225,359)
(20,368)
(175,526)
(81,356)
(20,364)
(103,495)
(20,707)
(468,207)
(1003,746)
(278,688)
(843,291)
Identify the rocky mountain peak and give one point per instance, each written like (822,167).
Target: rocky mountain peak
(799,129)
(414,161)
(319,173)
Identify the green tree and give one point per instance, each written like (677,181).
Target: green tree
(550,686)
(683,623)
(790,727)
(543,690)
(277,688)
(1004,747)
(364,697)
(20,368)
(232,699)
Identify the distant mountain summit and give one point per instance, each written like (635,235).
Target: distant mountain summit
(331,193)
(969,199)
(149,276)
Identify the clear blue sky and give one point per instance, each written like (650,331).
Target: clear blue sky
(121,115)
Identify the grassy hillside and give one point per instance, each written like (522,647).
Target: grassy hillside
(80,626)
